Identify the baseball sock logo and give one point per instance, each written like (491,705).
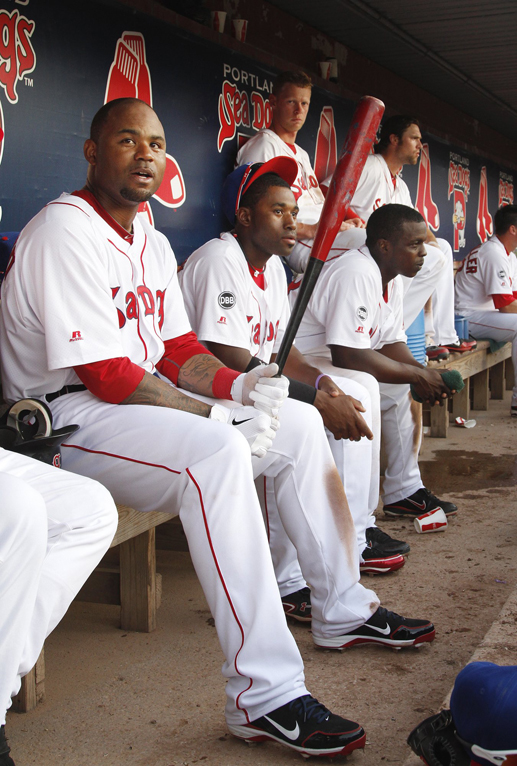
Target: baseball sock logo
(424,200)
(326,152)
(484,219)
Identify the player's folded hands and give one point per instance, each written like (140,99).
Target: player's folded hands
(257,427)
(260,389)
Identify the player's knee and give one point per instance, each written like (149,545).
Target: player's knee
(100,506)
(23,518)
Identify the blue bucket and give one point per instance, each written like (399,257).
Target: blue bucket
(461,325)
(416,338)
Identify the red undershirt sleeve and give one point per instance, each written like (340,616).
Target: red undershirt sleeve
(112,380)
(500,301)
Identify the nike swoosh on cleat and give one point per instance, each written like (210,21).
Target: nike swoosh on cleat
(422,506)
(291,734)
(385,631)
(240,422)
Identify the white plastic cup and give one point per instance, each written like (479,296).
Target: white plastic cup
(333,69)
(325,69)
(218,20)
(434,521)
(240,28)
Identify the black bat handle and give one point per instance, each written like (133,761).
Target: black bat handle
(309,280)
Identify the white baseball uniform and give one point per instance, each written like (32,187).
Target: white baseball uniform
(54,529)
(376,187)
(82,290)
(487,271)
(255,319)
(348,308)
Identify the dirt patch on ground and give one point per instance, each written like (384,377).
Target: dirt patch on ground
(125,699)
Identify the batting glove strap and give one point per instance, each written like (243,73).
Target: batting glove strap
(257,427)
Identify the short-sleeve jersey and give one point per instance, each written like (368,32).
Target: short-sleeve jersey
(487,270)
(225,302)
(378,187)
(349,308)
(265,145)
(80,289)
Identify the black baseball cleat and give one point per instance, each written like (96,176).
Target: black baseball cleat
(298,605)
(383,627)
(382,544)
(420,502)
(305,725)
(5,758)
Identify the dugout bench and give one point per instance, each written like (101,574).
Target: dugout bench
(487,374)
(126,576)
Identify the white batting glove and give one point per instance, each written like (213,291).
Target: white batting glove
(257,427)
(259,388)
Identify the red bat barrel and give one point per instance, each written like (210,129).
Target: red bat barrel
(357,146)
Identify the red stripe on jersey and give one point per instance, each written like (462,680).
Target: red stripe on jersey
(500,301)
(112,380)
(94,202)
(230,602)
(68,204)
(119,457)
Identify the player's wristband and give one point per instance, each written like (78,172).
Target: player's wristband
(317,383)
(301,391)
(254,362)
(223,382)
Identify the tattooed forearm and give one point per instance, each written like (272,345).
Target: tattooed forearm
(197,374)
(153,391)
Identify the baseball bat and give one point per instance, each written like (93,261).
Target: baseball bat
(358,143)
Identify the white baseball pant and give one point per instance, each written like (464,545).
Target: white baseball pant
(399,417)
(354,464)
(436,279)
(163,459)
(499,326)
(54,529)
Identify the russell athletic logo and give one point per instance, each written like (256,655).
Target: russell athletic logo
(129,77)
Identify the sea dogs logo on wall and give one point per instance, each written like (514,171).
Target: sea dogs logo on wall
(505,189)
(424,199)
(326,151)
(17,57)
(129,77)
(459,190)
(484,219)
(243,102)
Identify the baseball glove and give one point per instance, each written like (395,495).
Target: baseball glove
(434,741)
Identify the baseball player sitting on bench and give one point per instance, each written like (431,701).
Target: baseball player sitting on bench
(54,529)
(486,287)
(290,101)
(93,321)
(258,200)
(354,321)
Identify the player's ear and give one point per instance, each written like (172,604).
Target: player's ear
(272,100)
(90,151)
(394,139)
(243,216)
